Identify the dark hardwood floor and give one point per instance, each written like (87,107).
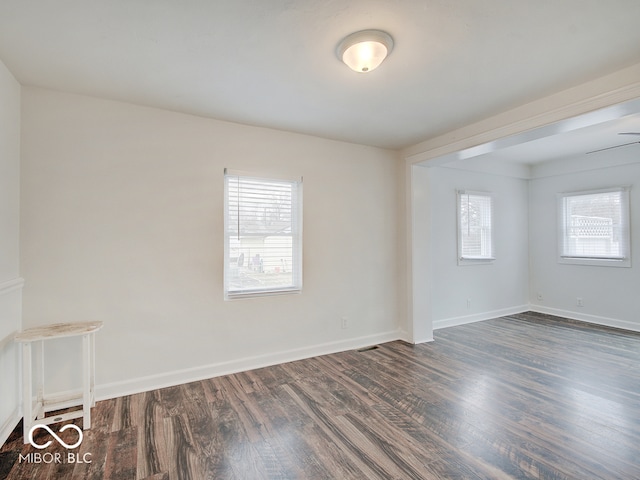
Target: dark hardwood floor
(524,396)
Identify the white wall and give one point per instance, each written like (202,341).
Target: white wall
(122,222)
(419,324)
(493,289)
(10,281)
(526,243)
(609,294)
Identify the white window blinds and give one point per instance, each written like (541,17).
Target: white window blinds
(475,226)
(263,236)
(595,225)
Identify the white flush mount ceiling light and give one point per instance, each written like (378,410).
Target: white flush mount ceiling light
(365,50)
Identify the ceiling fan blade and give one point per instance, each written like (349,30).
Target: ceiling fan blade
(609,148)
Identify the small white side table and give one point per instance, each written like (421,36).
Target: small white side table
(35,413)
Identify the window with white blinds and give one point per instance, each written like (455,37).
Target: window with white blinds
(594,227)
(475,227)
(263,236)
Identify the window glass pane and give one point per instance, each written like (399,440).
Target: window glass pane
(595,225)
(475,226)
(263,236)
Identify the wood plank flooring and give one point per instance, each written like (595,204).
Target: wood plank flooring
(524,396)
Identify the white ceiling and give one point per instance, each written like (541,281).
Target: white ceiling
(272,63)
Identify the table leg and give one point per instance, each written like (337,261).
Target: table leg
(92,370)
(27,403)
(40,382)
(86,382)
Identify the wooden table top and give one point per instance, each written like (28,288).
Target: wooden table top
(57,330)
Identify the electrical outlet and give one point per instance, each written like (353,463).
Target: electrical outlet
(345,322)
(540,297)
(579,302)
(468,303)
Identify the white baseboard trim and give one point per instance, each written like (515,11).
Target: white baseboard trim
(583,317)
(9,425)
(178,377)
(479,317)
(422,340)
(406,337)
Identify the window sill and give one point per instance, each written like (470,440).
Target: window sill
(476,261)
(596,262)
(262,293)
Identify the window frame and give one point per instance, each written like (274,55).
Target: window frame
(475,260)
(296,234)
(564,258)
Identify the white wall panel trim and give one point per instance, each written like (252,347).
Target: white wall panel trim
(9,425)
(11,285)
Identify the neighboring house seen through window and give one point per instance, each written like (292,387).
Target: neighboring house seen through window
(594,227)
(475,227)
(263,235)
